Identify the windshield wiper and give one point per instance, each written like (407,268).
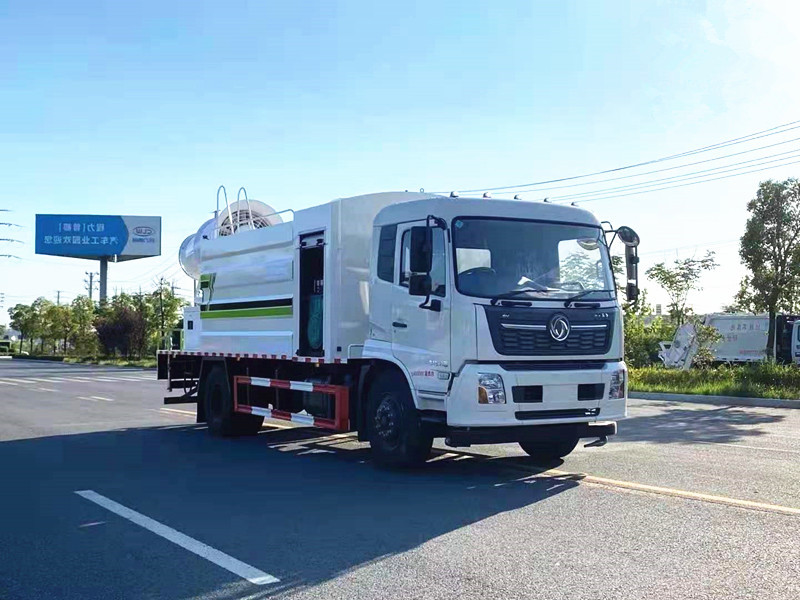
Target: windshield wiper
(579,295)
(515,293)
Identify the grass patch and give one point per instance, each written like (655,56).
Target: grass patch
(749,381)
(145,363)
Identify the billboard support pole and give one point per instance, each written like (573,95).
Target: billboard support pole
(103,278)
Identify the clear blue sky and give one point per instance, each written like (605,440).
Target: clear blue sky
(147,107)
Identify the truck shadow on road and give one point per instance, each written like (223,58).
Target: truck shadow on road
(704,423)
(302,505)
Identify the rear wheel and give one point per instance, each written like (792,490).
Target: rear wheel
(551,447)
(221,419)
(395,430)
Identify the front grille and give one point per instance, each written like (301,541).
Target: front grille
(529,415)
(526,393)
(523,331)
(532,342)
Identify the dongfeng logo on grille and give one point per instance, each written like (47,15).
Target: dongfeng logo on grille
(559,328)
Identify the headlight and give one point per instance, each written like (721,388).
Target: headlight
(490,389)
(616,388)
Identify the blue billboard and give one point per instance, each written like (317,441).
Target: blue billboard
(98,236)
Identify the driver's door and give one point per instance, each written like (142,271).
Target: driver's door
(421,337)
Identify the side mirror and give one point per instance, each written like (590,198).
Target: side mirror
(421,250)
(419,284)
(628,236)
(632,272)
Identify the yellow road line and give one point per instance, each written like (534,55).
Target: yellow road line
(666,491)
(745,447)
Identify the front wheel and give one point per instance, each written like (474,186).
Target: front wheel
(396,436)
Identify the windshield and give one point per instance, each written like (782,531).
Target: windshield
(530,259)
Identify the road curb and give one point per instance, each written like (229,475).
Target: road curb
(718,400)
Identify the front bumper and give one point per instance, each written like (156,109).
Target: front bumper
(559,401)
(466,436)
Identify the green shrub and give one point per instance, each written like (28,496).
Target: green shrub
(762,380)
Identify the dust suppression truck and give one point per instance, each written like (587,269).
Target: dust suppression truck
(406,317)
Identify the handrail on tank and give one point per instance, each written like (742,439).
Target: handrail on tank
(227,206)
(249,210)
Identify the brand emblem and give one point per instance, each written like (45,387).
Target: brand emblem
(558,327)
(143,230)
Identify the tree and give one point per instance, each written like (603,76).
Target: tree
(84,338)
(117,327)
(59,325)
(679,280)
(748,300)
(41,329)
(23,319)
(770,246)
(165,310)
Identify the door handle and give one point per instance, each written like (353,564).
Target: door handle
(399,324)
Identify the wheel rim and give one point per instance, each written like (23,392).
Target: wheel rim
(387,421)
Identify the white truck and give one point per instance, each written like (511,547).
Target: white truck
(406,317)
(743,340)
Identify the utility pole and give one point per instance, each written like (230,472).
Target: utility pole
(161,306)
(103,278)
(90,285)
(58,297)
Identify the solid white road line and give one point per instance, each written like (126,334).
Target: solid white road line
(7,382)
(101,398)
(41,389)
(86,398)
(220,559)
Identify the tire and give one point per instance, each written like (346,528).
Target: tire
(551,447)
(395,431)
(218,402)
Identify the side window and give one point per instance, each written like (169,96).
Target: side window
(386,245)
(439,268)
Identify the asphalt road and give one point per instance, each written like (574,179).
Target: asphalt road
(689,501)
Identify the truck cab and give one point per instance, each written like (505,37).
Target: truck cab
(503,316)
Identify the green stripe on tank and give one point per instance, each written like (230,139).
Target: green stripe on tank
(275,311)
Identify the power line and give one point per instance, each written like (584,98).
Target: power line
(668,187)
(684,177)
(697,162)
(747,138)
